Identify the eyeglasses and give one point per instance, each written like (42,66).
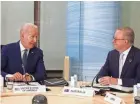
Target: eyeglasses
(118,39)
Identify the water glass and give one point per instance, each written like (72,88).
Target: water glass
(9,83)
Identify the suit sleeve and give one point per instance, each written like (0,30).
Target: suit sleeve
(4,60)
(40,68)
(104,71)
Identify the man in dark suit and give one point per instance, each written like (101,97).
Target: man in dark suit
(22,60)
(122,66)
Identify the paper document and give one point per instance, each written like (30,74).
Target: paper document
(116,87)
(23,84)
(55,82)
(121,88)
(97,85)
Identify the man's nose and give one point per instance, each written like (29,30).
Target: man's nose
(113,41)
(35,40)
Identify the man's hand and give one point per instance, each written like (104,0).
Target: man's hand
(27,77)
(17,76)
(108,80)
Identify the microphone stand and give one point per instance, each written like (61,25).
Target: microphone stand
(96,76)
(94,79)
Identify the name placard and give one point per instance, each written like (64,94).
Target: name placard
(29,88)
(112,99)
(78,91)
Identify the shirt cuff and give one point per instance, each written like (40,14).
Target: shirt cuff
(8,75)
(119,81)
(33,79)
(99,80)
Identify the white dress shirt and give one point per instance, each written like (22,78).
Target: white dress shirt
(125,53)
(22,50)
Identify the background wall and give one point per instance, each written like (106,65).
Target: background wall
(13,15)
(53,33)
(53,25)
(53,28)
(131,17)
(0,23)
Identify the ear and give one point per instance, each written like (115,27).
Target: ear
(126,41)
(22,34)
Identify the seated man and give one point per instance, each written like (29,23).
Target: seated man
(122,66)
(23,60)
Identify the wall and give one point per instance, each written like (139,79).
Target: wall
(53,25)
(53,33)
(131,17)
(0,22)
(13,15)
(53,28)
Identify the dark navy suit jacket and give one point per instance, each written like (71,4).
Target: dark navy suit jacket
(11,61)
(131,70)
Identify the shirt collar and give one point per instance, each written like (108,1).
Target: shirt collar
(22,48)
(126,51)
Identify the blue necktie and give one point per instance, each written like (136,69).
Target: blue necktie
(24,59)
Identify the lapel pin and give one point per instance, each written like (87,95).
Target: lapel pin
(130,60)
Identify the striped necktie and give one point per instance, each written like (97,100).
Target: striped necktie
(24,59)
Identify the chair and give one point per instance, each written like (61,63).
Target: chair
(2,46)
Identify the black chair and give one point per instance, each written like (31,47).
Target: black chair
(2,46)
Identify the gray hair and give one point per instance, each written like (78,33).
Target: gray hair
(27,25)
(128,34)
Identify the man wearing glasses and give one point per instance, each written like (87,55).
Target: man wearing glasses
(122,66)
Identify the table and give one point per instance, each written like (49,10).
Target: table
(55,96)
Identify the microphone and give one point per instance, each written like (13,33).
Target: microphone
(25,74)
(130,60)
(23,69)
(39,99)
(95,77)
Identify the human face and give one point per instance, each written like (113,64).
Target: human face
(119,41)
(29,37)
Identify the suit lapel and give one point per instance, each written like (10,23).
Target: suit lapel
(30,57)
(18,53)
(128,61)
(117,63)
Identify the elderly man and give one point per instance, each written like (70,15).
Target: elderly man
(122,66)
(22,60)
